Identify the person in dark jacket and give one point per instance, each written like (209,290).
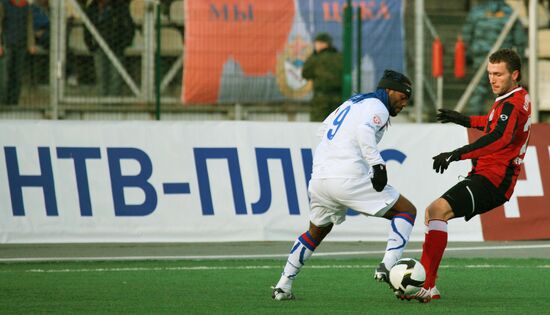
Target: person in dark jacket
(324,67)
(114,23)
(41,22)
(16,38)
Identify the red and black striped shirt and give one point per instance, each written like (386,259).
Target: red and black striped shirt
(499,153)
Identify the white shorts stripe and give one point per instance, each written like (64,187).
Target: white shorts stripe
(473,200)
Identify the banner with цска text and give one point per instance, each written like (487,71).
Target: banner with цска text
(254,50)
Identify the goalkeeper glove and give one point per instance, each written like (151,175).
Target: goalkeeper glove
(447,115)
(442,161)
(380,177)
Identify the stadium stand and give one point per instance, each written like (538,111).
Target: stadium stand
(177,12)
(76,40)
(137,10)
(172,42)
(446,17)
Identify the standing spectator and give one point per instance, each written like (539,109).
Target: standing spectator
(324,67)
(41,22)
(16,36)
(72,59)
(113,22)
(483,26)
(39,64)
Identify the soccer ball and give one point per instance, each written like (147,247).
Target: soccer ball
(407,276)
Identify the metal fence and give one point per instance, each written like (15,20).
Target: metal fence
(69,63)
(90,59)
(110,67)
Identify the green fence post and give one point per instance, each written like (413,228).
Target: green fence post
(359,48)
(157,63)
(347,51)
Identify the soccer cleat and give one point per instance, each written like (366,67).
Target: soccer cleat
(382,274)
(401,295)
(423,296)
(280,295)
(434,293)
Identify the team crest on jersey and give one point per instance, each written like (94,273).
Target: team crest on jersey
(289,68)
(376,120)
(504,117)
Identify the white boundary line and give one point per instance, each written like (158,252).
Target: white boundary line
(256,267)
(255,256)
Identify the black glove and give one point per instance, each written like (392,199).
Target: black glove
(442,161)
(447,115)
(380,177)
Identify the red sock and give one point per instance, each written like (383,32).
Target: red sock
(433,248)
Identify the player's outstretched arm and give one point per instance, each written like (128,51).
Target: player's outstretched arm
(447,115)
(442,160)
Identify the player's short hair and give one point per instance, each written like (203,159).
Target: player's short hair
(508,56)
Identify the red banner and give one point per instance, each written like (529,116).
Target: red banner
(526,216)
(250,33)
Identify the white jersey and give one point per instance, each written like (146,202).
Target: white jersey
(349,138)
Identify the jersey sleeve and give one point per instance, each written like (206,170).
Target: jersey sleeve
(501,135)
(376,119)
(478,122)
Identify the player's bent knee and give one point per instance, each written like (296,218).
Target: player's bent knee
(320,227)
(319,232)
(439,210)
(404,205)
(413,210)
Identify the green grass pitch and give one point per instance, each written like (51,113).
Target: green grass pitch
(325,286)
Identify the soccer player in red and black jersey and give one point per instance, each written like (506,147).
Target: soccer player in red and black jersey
(496,158)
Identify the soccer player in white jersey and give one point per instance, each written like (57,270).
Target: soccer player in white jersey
(349,172)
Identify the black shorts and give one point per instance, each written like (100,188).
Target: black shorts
(472,196)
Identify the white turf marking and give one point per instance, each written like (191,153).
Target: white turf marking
(254,256)
(213,268)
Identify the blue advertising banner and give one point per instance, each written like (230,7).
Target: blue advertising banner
(383,35)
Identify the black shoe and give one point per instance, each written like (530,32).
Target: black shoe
(280,295)
(382,274)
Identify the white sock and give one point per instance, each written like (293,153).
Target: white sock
(301,250)
(398,236)
(437,225)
